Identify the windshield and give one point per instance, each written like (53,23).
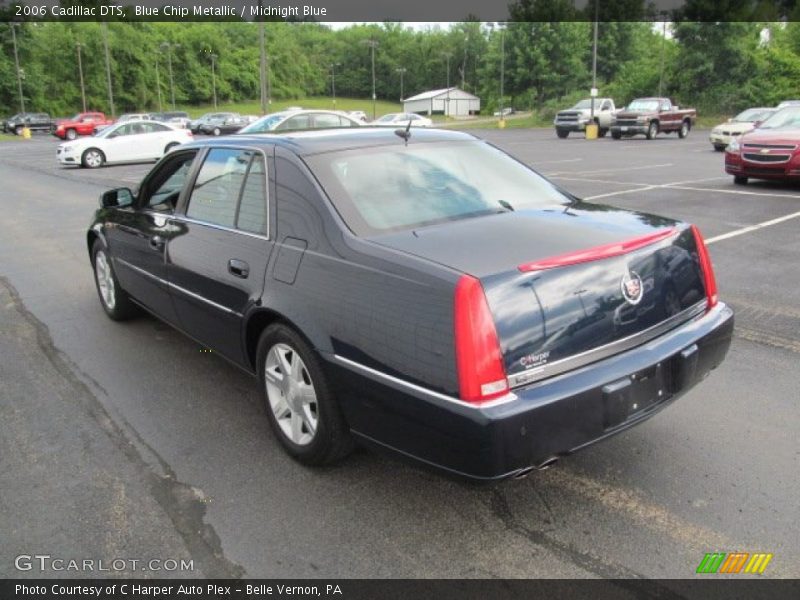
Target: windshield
(751,115)
(581,105)
(403,187)
(786,118)
(266,123)
(643,105)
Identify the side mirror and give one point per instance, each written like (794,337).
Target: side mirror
(118,198)
(757,124)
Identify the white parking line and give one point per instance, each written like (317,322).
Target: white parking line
(619,193)
(565,160)
(742,192)
(624,169)
(748,229)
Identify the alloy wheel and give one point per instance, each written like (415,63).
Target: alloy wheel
(105,279)
(291,394)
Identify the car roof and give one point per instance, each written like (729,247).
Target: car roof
(318,141)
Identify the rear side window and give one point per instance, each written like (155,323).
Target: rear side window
(230,190)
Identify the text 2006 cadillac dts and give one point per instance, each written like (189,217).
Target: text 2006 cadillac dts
(426,294)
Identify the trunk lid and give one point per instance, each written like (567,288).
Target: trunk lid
(553,315)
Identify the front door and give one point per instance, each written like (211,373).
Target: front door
(219,254)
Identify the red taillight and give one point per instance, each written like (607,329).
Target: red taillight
(597,252)
(705,266)
(481,374)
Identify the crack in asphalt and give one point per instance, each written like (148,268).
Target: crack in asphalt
(623,577)
(184,504)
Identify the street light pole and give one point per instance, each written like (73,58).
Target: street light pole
(214,77)
(262,65)
(78,45)
(108,69)
(372,45)
(402,71)
(464,65)
(169,48)
(16,65)
(333,82)
(447,56)
(158,82)
(663,42)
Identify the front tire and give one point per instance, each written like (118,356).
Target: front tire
(740,179)
(114,300)
(652,130)
(217,131)
(616,135)
(602,132)
(71,134)
(93,158)
(301,407)
(719,147)
(684,130)
(562,133)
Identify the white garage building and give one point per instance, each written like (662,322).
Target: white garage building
(461,103)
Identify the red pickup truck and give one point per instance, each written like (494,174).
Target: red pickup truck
(80,124)
(651,116)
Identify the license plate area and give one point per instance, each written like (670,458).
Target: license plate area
(624,128)
(630,396)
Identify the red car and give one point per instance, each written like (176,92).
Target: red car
(81,124)
(771,151)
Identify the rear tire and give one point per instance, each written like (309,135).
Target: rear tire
(114,300)
(740,179)
(686,127)
(301,407)
(562,133)
(616,135)
(18,130)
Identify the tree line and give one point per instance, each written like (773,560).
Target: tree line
(716,66)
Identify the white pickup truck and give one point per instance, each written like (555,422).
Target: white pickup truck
(577,117)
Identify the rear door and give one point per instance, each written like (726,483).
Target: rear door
(219,253)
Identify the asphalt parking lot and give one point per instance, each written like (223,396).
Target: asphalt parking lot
(126,440)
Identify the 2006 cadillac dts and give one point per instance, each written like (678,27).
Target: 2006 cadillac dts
(428,295)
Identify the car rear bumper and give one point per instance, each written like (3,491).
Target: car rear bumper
(537,423)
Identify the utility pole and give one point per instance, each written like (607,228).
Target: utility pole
(502,68)
(16,65)
(594,58)
(108,69)
(663,42)
(372,45)
(262,65)
(78,45)
(464,64)
(158,82)
(333,82)
(402,71)
(169,47)
(447,56)
(214,77)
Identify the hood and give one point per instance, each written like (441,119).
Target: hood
(741,127)
(772,136)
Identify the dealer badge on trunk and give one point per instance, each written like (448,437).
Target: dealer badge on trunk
(632,288)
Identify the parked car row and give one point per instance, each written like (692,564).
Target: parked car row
(642,116)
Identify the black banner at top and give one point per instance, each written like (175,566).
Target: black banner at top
(404,10)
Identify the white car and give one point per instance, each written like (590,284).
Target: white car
(133,117)
(401,120)
(133,141)
(722,135)
(296,120)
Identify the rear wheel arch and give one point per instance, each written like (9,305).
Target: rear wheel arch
(255,325)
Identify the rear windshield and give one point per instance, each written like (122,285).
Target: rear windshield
(404,187)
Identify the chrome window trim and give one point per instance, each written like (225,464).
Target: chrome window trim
(185,219)
(569,363)
(398,383)
(175,287)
